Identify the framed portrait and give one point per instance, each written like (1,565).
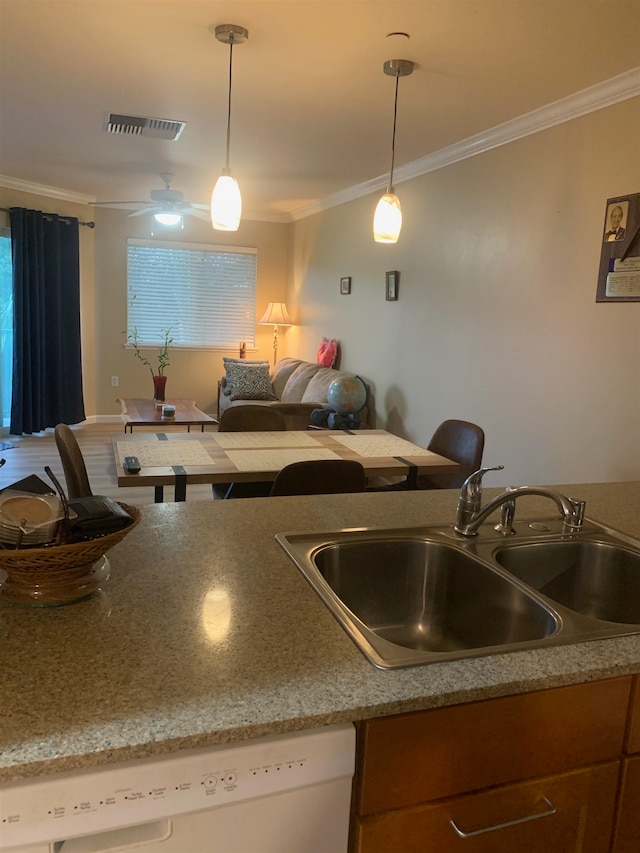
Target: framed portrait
(345,285)
(619,272)
(392,282)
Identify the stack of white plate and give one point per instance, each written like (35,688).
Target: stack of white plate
(28,519)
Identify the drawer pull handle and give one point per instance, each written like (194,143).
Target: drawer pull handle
(551,810)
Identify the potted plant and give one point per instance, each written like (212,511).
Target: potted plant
(159,379)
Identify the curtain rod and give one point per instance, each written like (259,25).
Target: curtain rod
(64,218)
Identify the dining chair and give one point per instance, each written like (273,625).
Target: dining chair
(320,477)
(461,441)
(249,418)
(75,471)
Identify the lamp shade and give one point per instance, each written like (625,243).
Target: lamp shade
(276,315)
(226,203)
(387,220)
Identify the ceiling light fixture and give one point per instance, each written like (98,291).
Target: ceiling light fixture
(167,218)
(226,201)
(387,220)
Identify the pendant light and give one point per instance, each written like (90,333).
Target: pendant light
(226,201)
(387,220)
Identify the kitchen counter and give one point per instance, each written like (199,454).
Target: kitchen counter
(207,633)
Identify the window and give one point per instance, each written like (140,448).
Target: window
(205,294)
(6,325)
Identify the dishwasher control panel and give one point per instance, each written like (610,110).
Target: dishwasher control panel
(79,803)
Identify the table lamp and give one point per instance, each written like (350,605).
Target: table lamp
(276,315)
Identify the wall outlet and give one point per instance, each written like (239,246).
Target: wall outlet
(114,381)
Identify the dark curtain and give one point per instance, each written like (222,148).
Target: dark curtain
(47,361)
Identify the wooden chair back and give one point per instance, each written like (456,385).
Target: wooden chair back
(320,477)
(251,418)
(73,465)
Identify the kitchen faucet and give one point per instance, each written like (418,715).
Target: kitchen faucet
(471,514)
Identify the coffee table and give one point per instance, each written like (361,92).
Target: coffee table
(137,411)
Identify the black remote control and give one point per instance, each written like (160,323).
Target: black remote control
(131,464)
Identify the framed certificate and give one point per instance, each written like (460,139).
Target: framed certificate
(619,272)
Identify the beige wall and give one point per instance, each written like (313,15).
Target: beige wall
(103,273)
(496,321)
(192,373)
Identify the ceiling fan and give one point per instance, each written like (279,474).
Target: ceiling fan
(166,206)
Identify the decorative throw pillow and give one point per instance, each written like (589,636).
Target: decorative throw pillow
(327,352)
(248,380)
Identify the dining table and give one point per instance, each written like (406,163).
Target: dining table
(178,459)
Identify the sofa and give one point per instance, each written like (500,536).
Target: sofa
(294,387)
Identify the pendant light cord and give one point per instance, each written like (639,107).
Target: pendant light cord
(229,105)
(393,137)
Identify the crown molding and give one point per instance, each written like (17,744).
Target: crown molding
(598,97)
(44,190)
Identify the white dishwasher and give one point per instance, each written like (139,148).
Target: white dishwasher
(284,794)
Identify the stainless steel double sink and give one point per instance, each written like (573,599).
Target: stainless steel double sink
(423,595)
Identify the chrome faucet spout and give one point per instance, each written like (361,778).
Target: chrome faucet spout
(471,515)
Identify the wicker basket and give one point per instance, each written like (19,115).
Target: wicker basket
(32,567)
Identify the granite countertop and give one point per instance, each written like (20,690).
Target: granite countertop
(207,633)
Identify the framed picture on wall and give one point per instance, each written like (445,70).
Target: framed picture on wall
(619,272)
(345,285)
(392,282)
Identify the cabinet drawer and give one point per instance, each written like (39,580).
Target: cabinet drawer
(627,837)
(414,758)
(569,812)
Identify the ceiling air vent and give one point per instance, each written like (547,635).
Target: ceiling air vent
(156,128)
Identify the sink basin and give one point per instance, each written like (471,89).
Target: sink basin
(596,578)
(407,597)
(429,596)
(413,596)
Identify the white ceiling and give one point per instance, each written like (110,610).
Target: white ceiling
(312,109)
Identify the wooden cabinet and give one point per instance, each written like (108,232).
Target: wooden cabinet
(533,772)
(627,833)
(557,814)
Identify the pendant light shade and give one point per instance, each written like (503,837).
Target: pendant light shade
(226,201)
(387,220)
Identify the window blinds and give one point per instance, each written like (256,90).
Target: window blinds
(205,294)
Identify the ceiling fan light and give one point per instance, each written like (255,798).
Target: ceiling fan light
(387,220)
(169,219)
(226,203)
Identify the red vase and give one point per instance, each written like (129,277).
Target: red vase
(159,383)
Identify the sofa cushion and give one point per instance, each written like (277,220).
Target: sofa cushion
(316,391)
(248,380)
(298,381)
(281,373)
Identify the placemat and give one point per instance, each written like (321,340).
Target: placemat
(158,454)
(274,460)
(381,445)
(287,438)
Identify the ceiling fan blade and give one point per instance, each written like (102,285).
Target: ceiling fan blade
(145,210)
(199,214)
(202,206)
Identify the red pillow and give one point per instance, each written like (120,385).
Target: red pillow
(327,352)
